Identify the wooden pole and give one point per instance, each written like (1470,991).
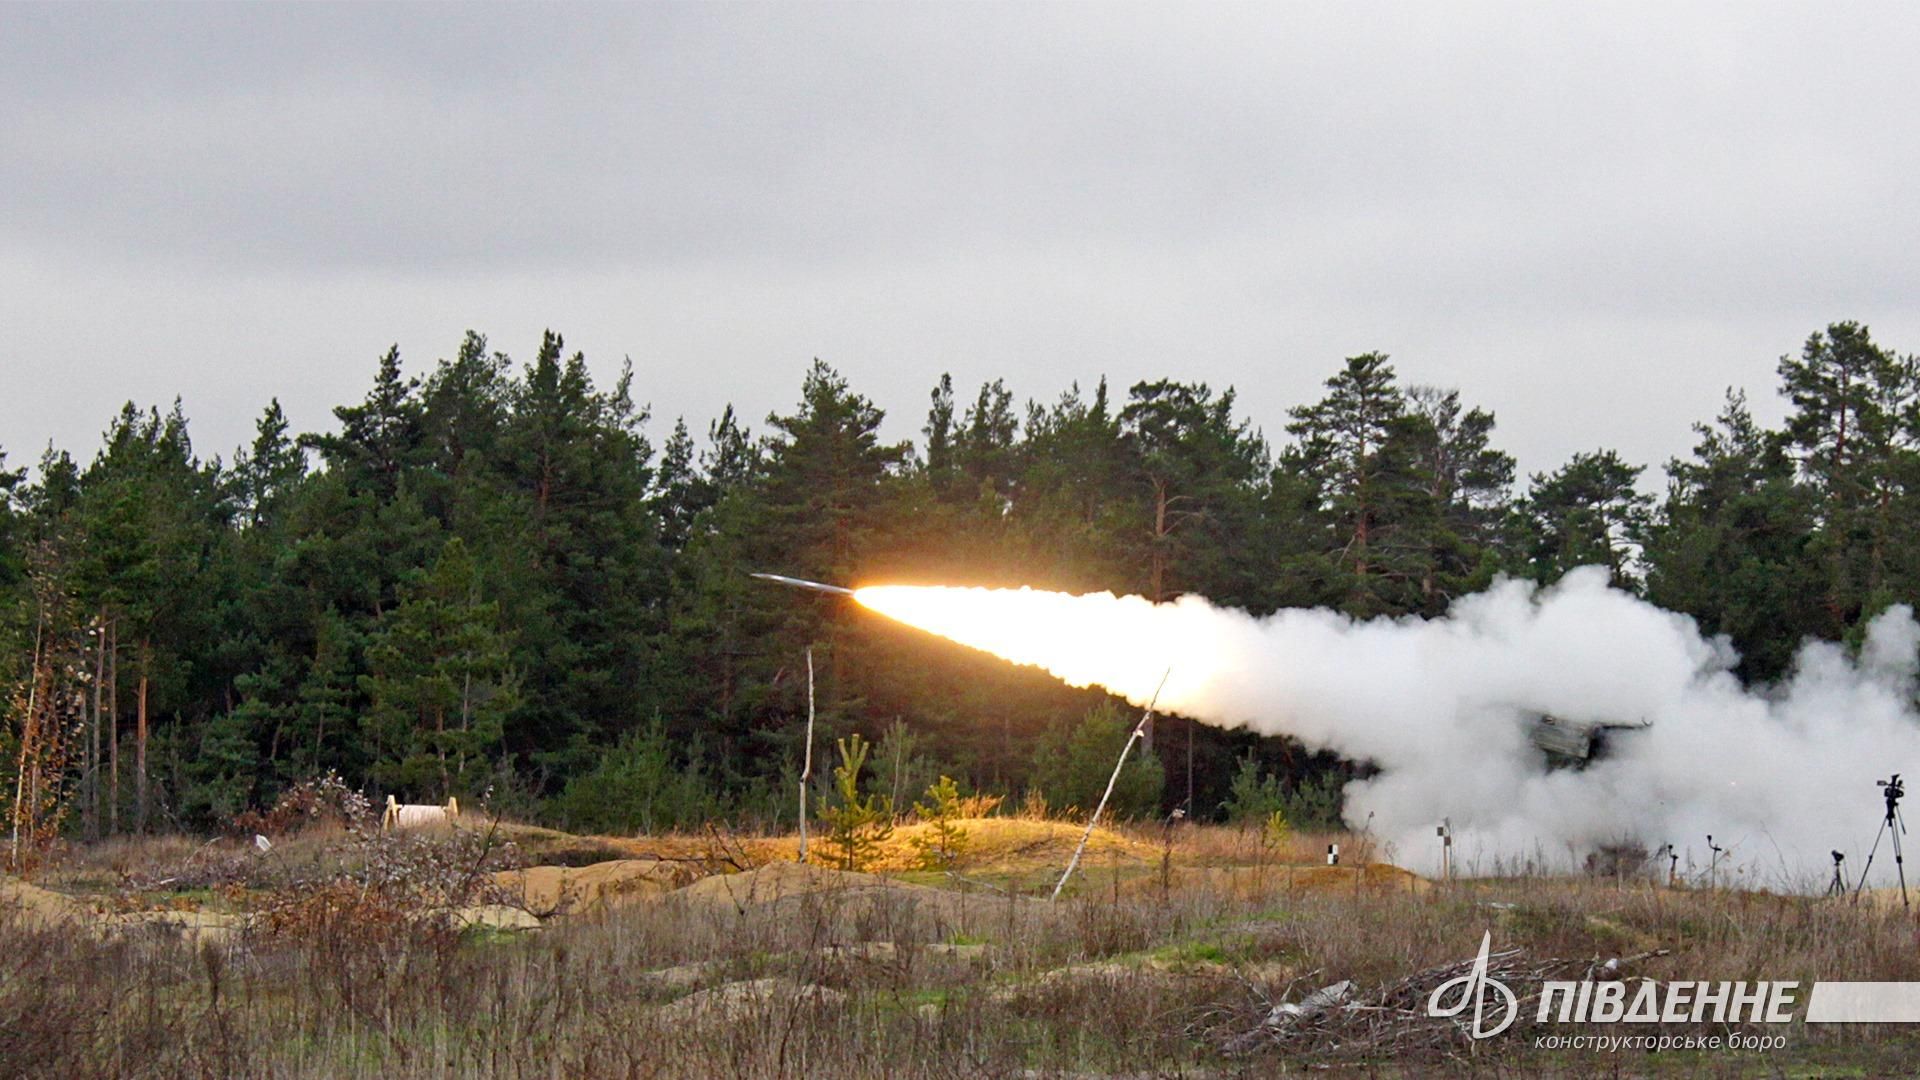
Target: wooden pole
(1139,733)
(93,729)
(113,726)
(140,743)
(27,730)
(806,769)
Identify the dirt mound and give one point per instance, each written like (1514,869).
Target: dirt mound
(550,847)
(857,907)
(38,906)
(1261,881)
(44,907)
(779,881)
(577,890)
(493,917)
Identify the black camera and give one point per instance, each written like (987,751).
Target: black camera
(1893,824)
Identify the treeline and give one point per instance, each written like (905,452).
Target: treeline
(490,578)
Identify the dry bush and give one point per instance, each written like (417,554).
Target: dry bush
(56,991)
(978,805)
(325,800)
(416,875)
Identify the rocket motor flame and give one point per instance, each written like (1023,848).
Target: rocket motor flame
(1124,644)
(1443,708)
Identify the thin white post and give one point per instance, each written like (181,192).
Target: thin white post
(806,769)
(1139,732)
(27,731)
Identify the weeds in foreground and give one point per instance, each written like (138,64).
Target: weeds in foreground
(350,978)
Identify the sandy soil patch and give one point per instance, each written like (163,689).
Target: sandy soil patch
(576,890)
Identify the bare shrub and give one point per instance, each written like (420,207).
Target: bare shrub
(324,800)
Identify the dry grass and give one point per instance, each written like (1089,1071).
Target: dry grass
(1012,845)
(801,971)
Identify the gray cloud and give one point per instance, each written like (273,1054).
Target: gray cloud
(1593,220)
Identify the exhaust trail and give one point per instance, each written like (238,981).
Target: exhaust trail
(1779,775)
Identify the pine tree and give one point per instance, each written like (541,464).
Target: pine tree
(379,439)
(439,683)
(942,844)
(1195,466)
(1358,451)
(1072,764)
(1466,483)
(1733,544)
(152,517)
(826,470)
(986,446)
(1854,430)
(1076,499)
(940,436)
(267,474)
(857,825)
(680,493)
(1586,513)
(582,573)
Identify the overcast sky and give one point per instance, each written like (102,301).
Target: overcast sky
(1592,219)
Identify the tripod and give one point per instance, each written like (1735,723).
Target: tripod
(1838,886)
(1896,824)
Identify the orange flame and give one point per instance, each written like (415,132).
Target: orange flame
(1124,644)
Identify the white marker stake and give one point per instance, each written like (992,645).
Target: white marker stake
(1139,731)
(806,770)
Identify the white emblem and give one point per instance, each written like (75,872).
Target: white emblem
(1473,991)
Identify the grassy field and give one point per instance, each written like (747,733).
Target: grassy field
(346,953)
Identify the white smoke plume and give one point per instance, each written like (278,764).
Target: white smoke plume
(1779,776)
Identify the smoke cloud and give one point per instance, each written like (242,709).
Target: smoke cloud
(1779,776)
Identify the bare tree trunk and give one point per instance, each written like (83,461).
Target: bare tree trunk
(113,727)
(466,720)
(320,726)
(28,726)
(140,743)
(93,727)
(1157,585)
(1190,726)
(806,769)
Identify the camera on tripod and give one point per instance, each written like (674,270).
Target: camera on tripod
(1893,825)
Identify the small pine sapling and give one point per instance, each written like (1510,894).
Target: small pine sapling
(856,826)
(1276,830)
(943,841)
